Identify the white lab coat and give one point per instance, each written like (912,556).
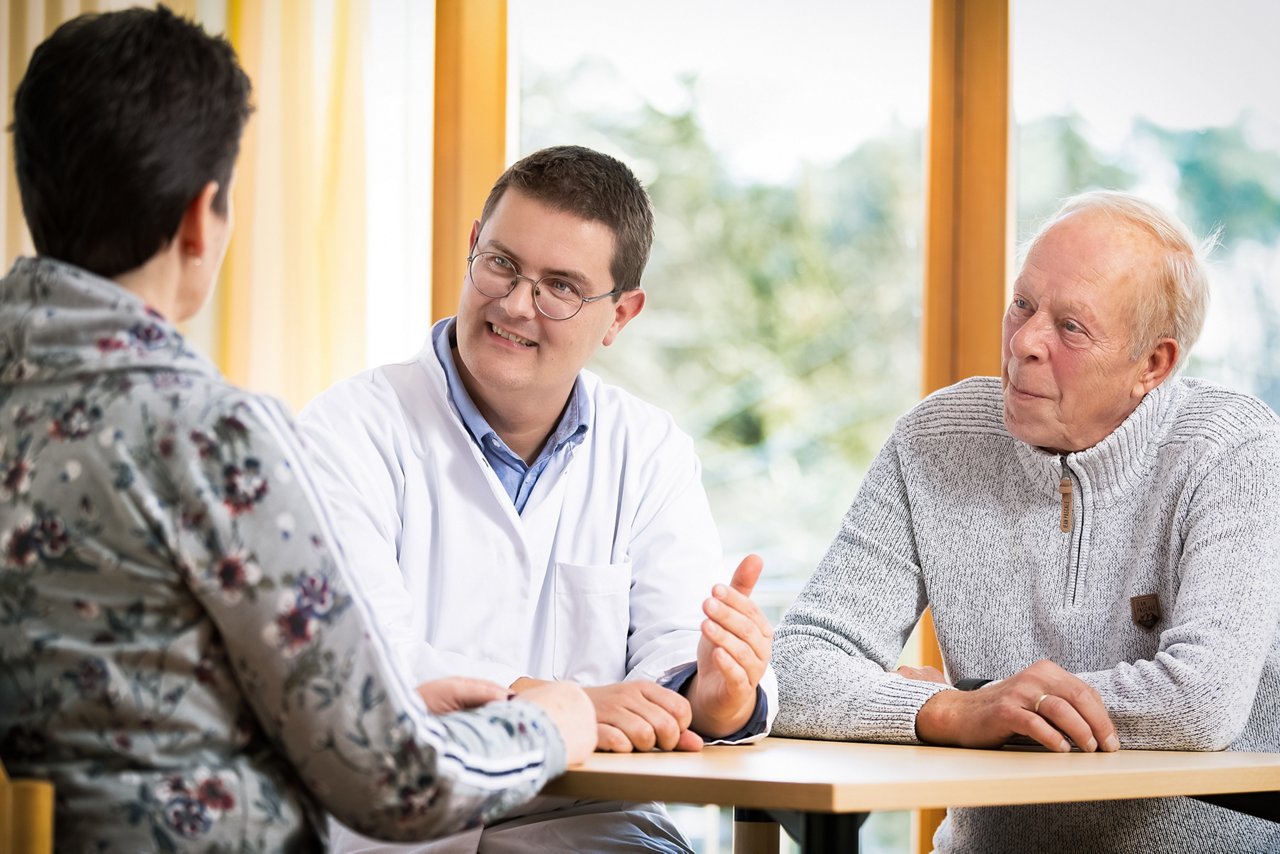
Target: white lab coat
(601,578)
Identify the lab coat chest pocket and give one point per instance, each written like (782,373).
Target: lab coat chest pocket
(592,619)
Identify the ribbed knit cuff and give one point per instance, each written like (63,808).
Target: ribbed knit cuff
(892,709)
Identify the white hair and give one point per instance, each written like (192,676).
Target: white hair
(1182,275)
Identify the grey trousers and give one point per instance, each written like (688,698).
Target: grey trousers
(543,825)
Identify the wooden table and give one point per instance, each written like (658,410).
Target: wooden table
(834,784)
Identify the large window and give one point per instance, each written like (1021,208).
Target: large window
(1174,100)
(782,149)
(783,154)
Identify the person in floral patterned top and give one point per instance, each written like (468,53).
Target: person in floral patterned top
(184,649)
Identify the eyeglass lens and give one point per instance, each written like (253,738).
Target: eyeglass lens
(495,276)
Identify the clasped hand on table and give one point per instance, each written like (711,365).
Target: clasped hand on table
(1043,702)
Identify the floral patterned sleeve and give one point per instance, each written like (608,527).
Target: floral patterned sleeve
(255,545)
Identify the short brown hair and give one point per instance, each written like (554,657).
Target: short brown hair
(595,187)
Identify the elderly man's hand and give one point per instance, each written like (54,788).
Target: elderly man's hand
(733,653)
(1043,702)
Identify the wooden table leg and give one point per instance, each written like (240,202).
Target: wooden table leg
(754,832)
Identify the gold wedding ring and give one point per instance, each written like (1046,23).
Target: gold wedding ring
(1036,707)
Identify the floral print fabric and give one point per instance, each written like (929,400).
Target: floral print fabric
(183,647)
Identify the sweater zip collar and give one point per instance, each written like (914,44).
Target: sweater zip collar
(1115,465)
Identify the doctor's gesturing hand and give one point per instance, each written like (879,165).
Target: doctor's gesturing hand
(733,653)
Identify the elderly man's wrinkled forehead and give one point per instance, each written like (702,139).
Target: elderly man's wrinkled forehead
(1095,246)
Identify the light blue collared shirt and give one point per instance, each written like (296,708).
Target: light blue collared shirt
(517,477)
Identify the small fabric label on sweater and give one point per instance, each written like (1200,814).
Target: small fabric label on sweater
(1145,609)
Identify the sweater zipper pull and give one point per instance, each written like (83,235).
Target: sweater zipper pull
(1064,489)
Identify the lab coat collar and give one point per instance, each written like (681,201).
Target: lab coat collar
(571,429)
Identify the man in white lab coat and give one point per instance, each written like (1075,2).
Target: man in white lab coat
(515,518)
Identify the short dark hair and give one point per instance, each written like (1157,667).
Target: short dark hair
(120,121)
(595,187)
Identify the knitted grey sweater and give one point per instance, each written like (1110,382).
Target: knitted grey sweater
(1181,501)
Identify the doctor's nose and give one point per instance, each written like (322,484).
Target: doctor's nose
(519,300)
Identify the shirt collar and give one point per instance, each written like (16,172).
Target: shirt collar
(574,422)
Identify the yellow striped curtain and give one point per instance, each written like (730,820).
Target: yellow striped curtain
(291,301)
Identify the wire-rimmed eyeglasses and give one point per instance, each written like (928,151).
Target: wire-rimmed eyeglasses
(555,297)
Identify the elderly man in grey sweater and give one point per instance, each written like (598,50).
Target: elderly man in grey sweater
(1095,534)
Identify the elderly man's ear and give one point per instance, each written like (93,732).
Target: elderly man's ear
(1159,365)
